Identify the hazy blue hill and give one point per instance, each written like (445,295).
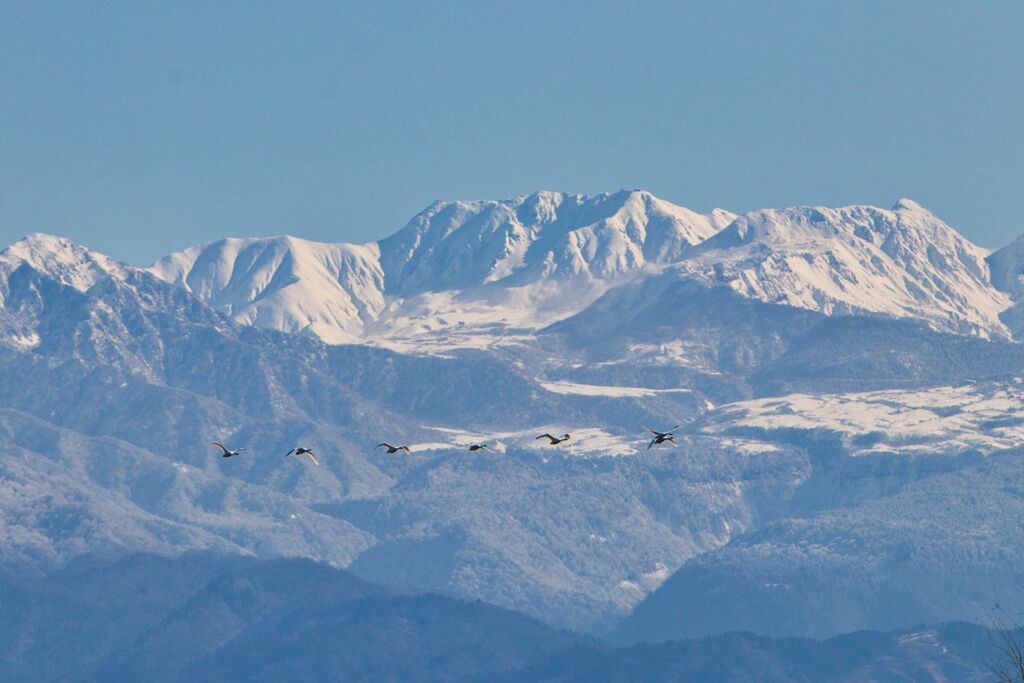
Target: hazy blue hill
(950,652)
(206,617)
(225,609)
(203,617)
(57,626)
(424,638)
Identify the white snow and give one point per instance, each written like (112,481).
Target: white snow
(28,341)
(548,235)
(284,283)
(459,275)
(904,263)
(646,582)
(431,446)
(561,387)
(475,274)
(584,441)
(941,420)
(60,258)
(588,441)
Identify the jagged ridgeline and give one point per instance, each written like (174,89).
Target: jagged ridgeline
(846,383)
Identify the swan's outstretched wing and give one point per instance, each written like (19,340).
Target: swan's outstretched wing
(220,446)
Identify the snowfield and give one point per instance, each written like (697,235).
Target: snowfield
(597,390)
(974,418)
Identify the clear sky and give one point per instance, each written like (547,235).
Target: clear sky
(140,128)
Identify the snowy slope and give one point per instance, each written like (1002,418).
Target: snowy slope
(857,259)
(284,283)
(973,418)
(65,261)
(470,273)
(549,235)
(1007,267)
(461,273)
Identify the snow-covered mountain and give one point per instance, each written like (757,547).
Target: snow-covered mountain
(64,264)
(65,261)
(284,283)
(817,360)
(1007,268)
(465,267)
(857,259)
(549,235)
(466,273)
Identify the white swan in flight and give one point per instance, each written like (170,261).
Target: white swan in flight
(304,451)
(554,440)
(393,449)
(227,453)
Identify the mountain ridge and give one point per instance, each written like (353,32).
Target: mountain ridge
(904,262)
(466,273)
(140,373)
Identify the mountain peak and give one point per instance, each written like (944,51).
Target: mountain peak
(284,283)
(902,263)
(543,235)
(37,243)
(533,258)
(60,258)
(909,205)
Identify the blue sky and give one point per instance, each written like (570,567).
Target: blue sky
(141,128)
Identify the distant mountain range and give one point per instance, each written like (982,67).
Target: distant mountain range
(531,260)
(213,618)
(492,267)
(847,384)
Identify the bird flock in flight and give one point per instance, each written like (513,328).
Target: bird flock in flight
(658,438)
